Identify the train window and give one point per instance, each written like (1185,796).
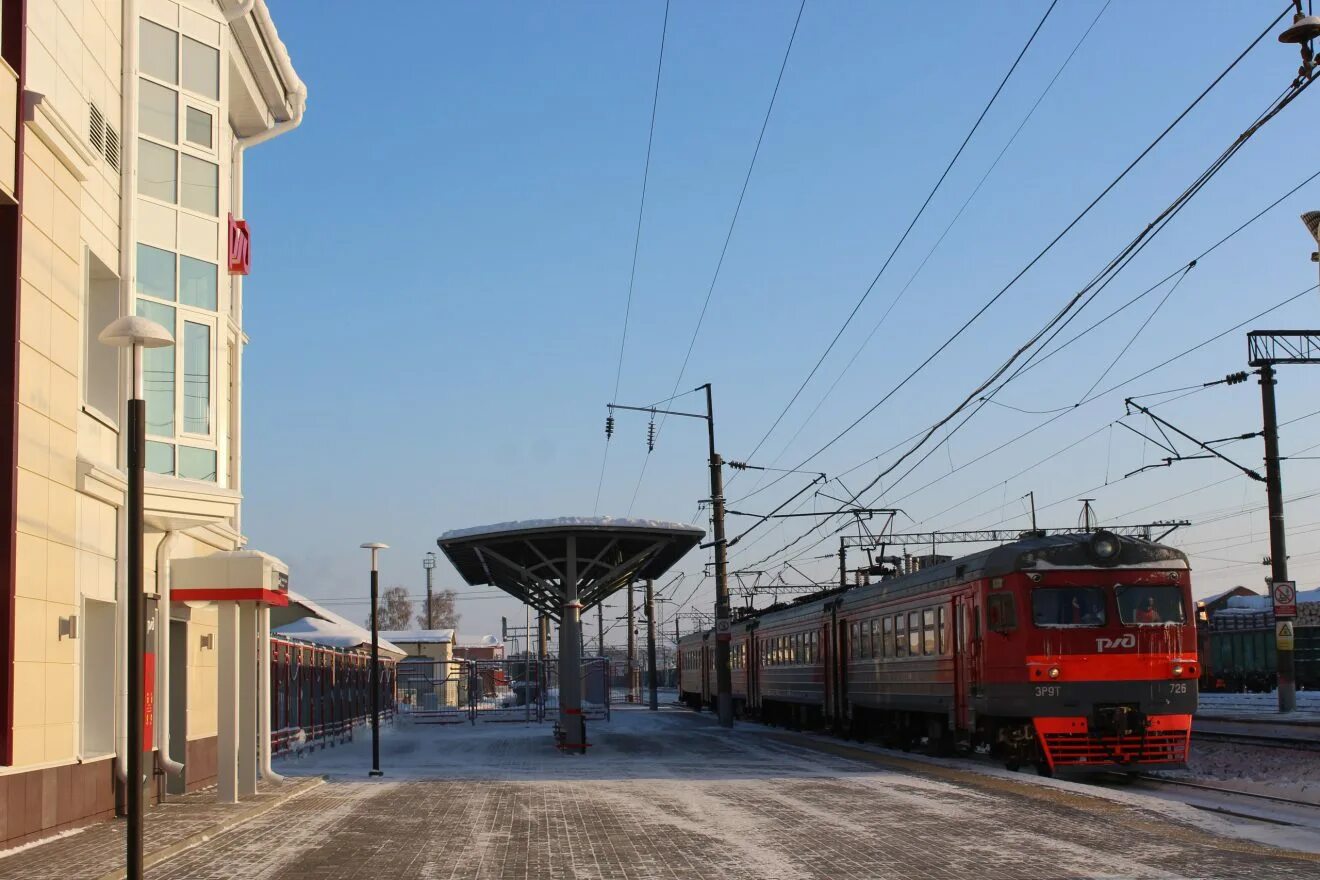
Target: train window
(1001,613)
(1153,604)
(1068,606)
(941,623)
(797,648)
(887,637)
(855,645)
(928,631)
(914,633)
(873,643)
(900,636)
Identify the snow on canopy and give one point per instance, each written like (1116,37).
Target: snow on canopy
(329,629)
(586,522)
(420,636)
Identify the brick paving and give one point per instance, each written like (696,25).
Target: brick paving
(672,796)
(97,850)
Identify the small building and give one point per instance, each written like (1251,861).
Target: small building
(429,678)
(488,647)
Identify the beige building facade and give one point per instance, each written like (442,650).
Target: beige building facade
(124,125)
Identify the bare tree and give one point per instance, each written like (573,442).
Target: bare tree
(443,611)
(395,610)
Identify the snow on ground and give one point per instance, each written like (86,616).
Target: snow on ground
(1264,706)
(1278,772)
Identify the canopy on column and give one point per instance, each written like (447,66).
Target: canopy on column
(529,559)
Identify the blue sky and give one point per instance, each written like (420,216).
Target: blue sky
(442,255)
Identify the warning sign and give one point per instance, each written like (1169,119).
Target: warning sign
(1285,598)
(1283,635)
(722,632)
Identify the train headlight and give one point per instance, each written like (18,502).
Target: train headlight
(1178,670)
(1105,547)
(1054,672)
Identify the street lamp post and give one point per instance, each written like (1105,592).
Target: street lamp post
(138,334)
(375,548)
(428,563)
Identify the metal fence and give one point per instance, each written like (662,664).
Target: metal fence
(509,689)
(319,695)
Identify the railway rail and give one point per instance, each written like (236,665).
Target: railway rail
(1224,800)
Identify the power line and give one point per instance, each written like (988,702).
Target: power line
(728,236)
(637,236)
(1103,278)
(931,195)
(930,253)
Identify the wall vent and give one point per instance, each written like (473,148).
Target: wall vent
(112,147)
(95,128)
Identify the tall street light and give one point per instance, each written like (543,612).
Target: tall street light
(138,334)
(428,563)
(375,548)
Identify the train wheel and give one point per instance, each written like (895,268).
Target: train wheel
(1013,765)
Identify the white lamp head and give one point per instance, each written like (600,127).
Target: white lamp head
(132,330)
(375,545)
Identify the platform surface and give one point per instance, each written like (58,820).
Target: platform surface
(671,795)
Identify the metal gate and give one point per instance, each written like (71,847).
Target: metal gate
(510,689)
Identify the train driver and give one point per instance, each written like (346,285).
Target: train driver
(1147,613)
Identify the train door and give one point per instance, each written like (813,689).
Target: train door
(967,650)
(841,672)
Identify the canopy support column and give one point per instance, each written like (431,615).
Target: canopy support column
(570,657)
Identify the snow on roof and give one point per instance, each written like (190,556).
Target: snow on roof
(598,522)
(419,636)
(1210,600)
(315,610)
(331,630)
(487,641)
(1266,603)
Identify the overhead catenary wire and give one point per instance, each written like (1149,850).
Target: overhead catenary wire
(637,238)
(899,244)
(940,240)
(1102,278)
(728,236)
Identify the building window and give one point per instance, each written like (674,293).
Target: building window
(158,111)
(100,361)
(157,176)
(197,380)
(197,464)
(197,128)
(158,373)
(201,69)
(160,458)
(155,273)
(201,185)
(197,283)
(159,51)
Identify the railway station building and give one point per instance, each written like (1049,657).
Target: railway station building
(124,129)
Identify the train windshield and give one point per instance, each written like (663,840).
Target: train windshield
(1149,604)
(1068,606)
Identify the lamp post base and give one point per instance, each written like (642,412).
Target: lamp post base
(375,773)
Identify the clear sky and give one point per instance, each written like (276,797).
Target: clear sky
(441,261)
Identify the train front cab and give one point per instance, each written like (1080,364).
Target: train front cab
(1091,668)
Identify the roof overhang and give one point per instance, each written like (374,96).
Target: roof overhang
(534,561)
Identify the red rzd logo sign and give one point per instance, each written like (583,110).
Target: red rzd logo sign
(240,247)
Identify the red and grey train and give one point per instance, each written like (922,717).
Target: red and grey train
(1070,652)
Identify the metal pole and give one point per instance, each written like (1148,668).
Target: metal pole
(1278,549)
(633,695)
(843,563)
(723,673)
(430,618)
(600,629)
(137,446)
(570,657)
(650,644)
(1032,496)
(375,670)
(527,663)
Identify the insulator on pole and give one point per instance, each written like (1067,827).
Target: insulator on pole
(650,435)
(609,426)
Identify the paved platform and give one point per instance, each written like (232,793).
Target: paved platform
(96,852)
(671,795)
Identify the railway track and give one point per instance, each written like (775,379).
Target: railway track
(1268,733)
(1223,800)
